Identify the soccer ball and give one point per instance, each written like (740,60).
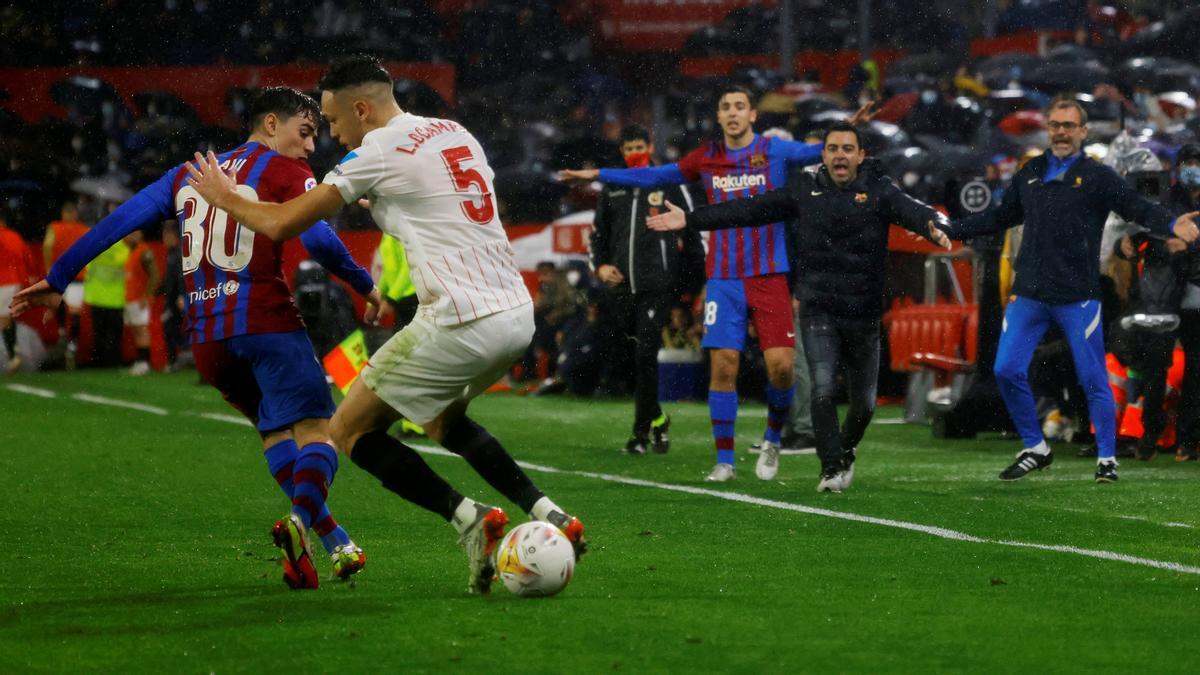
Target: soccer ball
(535,559)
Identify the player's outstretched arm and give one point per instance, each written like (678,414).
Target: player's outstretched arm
(916,216)
(276,221)
(323,244)
(578,176)
(674,219)
(768,207)
(645,177)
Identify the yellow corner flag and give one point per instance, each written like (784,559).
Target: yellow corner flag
(345,361)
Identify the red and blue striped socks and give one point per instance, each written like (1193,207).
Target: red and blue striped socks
(723,410)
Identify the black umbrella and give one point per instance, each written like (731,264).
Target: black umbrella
(1157,74)
(1072,53)
(1054,78)
(998,71)
(159,103)
(87,96)
(418,97)
(1175,37)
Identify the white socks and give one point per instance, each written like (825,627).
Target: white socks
(465,514)
(542,509)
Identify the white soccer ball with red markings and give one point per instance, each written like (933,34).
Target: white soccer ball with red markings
(535,560)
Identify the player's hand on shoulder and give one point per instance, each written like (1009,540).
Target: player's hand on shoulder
(40,294)
(674,219)
(207,177)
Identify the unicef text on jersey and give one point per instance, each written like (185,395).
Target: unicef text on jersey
(226,289)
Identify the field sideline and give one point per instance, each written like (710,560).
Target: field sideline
(137,511)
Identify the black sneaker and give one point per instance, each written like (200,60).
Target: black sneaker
(635,446)
(1106,472)
(1026,461)
(660,442)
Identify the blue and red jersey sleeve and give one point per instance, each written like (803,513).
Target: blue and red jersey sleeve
(294,178)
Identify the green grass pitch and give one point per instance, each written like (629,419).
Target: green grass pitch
(136,540)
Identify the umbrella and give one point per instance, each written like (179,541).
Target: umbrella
(156,102)
(1175,37)
(103,188)
(1157,74)
(998,71)
(1071,53)
(1058,77)
(88,96)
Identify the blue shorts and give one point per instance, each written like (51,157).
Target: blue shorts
(731,304)
(273,379)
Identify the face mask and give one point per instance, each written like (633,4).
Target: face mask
(929,97)
(1189,176)
(637,160)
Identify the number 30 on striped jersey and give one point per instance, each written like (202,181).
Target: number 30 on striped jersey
(205,232)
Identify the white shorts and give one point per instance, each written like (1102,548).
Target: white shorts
(137,313)
(424,368)
(6,295)
(73,296)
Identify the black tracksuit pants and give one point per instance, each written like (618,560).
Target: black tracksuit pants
(852,343)
(640,317)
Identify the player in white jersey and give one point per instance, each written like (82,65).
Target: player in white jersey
(428,184)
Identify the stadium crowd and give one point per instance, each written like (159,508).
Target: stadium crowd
(945,120)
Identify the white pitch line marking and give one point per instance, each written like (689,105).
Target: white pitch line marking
(941,532)
(117,403)
(32,391)
(231,419)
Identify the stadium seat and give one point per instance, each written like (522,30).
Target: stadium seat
(937,344)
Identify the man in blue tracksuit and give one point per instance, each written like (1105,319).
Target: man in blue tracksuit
(1063,197)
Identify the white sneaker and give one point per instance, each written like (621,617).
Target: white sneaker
(139,368)
(721,473)
(848,469)
(831,480)
(768,461)
(479,541)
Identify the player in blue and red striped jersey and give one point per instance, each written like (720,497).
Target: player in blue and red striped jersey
(247,336)
(747,268)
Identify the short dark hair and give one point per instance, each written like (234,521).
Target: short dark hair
(845,127)
(734,88)
(285,102)
(348,71)
(634,132)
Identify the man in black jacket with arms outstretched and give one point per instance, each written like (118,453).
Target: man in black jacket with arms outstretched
(841,216)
